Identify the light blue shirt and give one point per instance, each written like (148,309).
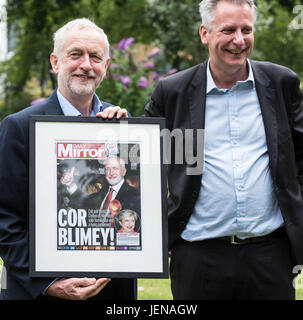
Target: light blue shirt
(69,110)
(237,195)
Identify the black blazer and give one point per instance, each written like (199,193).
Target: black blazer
(181,99)
(14,211)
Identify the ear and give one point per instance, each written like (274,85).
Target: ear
(203,34)
(54,62)
(107,63)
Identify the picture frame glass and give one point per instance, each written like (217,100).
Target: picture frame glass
(98,198)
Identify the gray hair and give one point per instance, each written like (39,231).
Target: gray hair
(120,160)
(207,9)
(127,213)
(78,24)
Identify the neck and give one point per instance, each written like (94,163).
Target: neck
(84,104)
(226,79)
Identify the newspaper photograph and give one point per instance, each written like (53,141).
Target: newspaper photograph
(98,196)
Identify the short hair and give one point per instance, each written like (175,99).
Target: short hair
(120,160)
(127,213)
(207,9)
(77,24)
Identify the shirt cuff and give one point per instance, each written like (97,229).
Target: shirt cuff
(44,291)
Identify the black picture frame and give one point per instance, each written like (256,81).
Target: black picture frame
(67,237)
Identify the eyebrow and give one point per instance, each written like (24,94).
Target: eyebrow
(74,49)
(77,49)
(231,25)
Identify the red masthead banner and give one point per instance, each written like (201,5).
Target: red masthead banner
(71,150)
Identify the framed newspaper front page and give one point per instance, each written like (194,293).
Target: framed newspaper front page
(97,198)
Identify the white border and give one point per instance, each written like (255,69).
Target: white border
(47,257)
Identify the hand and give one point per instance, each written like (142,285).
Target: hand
(68,177)
(110,112)
(76,288)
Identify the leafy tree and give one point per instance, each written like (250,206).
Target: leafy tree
(33,23)
(177,31)
(130,81)
(171,25)
(276,40)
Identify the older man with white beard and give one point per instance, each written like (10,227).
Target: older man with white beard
(117,189)
(80,59)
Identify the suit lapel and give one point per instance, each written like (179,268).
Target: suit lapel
(122,191)
(53,106)
(196,98)
(266,94)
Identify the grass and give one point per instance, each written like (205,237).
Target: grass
(154,289)
(299,284)
(159,289)
(148,289)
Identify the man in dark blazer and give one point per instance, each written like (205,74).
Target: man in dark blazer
(128,196)
(235,229)
(80,59)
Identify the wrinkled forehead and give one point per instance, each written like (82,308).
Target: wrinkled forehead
(228,13)
(112,163)
(128,217)
(84,37)
(227,9)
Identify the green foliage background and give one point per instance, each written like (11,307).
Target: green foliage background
(171,25)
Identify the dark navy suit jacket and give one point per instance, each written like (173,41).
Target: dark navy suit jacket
(14,210)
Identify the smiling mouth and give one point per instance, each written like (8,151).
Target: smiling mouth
(236,51)
(82,76)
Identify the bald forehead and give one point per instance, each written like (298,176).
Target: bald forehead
(112,161)
(85,37)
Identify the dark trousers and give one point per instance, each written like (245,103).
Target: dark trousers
(219,270)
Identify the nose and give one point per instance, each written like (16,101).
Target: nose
(110,171)
(238,38)
(86,63)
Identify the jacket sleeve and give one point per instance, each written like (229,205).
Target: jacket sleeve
(14,212)
(155,106)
